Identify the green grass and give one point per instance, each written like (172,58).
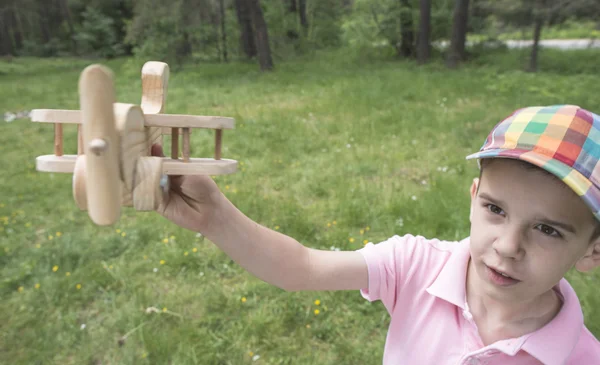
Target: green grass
(332,151)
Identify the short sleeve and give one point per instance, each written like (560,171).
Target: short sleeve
(394,262)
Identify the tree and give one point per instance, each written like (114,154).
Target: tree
(223,29)
(407,33)
(423,40)
(261,35)
(456,53)
(247,43)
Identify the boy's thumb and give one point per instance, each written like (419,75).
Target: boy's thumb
(157,150)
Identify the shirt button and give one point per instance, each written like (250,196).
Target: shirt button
(468,316)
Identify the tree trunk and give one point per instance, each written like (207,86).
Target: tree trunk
(6,45)
(223,30)
(456,53)
(302,13)
(407,32)
(261,36)
(244,17)
(537,32)
(293,7)
(67,15)
(423,41)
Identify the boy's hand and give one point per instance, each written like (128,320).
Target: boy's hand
(190,201)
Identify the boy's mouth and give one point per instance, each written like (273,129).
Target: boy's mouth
(499,277)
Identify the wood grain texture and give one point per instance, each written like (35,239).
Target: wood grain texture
(155,81)
(134,139)
(196,166)
(102,175)
(79,190)
(147,193)
(58,139)
(150,120)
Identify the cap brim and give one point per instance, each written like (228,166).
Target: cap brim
(581,185)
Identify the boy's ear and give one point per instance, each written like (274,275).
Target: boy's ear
(591,259)
(474,187)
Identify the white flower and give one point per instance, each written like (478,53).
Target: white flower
(82,326)
(155,270)
(201,273)
(414,197)
(424,182)
(348,145)
(255,357)
(9,117)
(198,235)
(400,222)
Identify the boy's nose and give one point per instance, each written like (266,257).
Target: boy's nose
(510,244)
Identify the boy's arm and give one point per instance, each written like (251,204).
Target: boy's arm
(279,259)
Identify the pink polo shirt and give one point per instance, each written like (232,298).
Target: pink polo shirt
(421,283)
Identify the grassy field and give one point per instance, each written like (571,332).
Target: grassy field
(336,151)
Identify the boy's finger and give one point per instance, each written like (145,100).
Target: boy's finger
(157,150)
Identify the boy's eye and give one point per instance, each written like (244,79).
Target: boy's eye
(495,209)
(549,231)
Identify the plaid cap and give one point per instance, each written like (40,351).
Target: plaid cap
(562,139)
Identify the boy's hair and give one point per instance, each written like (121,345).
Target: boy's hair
(529,166)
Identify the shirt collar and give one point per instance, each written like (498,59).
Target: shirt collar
(551,344)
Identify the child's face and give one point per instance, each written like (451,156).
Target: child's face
(529,225)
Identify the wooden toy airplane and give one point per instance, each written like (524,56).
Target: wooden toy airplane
(113,166)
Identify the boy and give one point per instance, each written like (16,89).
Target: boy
(497,297)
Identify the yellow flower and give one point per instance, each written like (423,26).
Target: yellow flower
(194,249)
(351,239)
(20,289)
(366,241)
(67,273)
(118,230)
(162,262)
(37,285)
(37,245)
(328,224)
(362,231)
(172,238)
(58,234)
(250,353)
(27,224)
(110,267)
(308,326)
(226,187)
(317,312)
(165,240)
(243,299)
(334,222)
(78,286)
(50,237)
(145,257)
(164,309)
(317,302)
(123,234)
(144,355)
(276,228)
(185,253)
(55,268)
(367,228)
